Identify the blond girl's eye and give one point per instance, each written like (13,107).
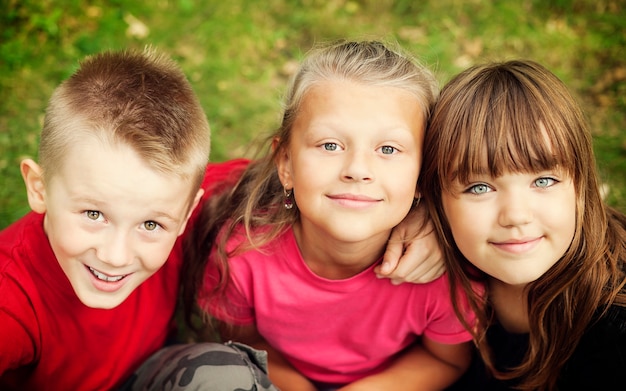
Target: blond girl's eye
(387,150)
(330,146)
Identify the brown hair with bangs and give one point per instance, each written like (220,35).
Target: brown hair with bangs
(517,116)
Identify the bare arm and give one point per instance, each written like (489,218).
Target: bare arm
(425,366)
(412,255)
(282,374)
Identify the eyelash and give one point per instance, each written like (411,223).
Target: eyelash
(156,225)
(472,188)
(327,146)
(91,213)
(551,182)
(333,147)
(385,147)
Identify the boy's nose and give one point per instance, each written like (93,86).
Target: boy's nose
(116,250)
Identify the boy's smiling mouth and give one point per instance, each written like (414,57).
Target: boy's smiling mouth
(103,277)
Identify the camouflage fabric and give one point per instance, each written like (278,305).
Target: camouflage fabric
(204,367)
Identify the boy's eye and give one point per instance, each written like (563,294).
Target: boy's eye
(545,182)
(387,150)
(150,225)
(481,188)
(93,214)
(330,146)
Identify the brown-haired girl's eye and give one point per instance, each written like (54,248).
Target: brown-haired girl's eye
(479,188)
(545,182)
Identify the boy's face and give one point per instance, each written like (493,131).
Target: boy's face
(112,220)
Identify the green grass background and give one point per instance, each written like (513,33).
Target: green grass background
(240,54)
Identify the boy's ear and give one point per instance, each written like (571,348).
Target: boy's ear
(193,206)
(35,189)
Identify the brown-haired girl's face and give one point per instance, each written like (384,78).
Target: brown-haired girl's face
(515,226)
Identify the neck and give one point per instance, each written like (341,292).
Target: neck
(334,259)
(509,303)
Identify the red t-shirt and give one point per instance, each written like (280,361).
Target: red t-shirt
(50,340)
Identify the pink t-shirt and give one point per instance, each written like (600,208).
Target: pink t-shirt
(333,331)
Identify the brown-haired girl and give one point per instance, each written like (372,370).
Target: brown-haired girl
(510,180)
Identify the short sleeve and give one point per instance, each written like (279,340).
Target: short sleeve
(17,338)
(233,307)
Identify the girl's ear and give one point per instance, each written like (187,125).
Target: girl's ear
(35,189)
(283,165)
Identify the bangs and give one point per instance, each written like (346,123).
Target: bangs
(513,128)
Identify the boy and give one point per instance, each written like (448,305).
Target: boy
(89,279)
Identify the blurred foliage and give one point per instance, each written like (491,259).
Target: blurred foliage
(239,56)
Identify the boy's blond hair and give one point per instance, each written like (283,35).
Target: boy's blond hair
(141,99)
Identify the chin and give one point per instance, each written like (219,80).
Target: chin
(516,280)
(102,301)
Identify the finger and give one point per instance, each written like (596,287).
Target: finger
(427,274)
(429,268)
(415,258)
(419,264)
(392,256)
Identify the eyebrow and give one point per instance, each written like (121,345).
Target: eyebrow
(160,215)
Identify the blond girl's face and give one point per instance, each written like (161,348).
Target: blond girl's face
(353,160)
(513,227)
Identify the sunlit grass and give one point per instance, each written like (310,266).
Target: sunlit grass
(240,54)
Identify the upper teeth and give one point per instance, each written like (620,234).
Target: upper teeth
(104,277)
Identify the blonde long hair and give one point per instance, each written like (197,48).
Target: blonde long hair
(257,199)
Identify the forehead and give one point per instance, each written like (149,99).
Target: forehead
(344,102)
(114,176)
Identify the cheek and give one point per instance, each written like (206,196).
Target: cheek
(157,254)
(456,214)
(64,238)
(464,223)
(566,225)
(560,215)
